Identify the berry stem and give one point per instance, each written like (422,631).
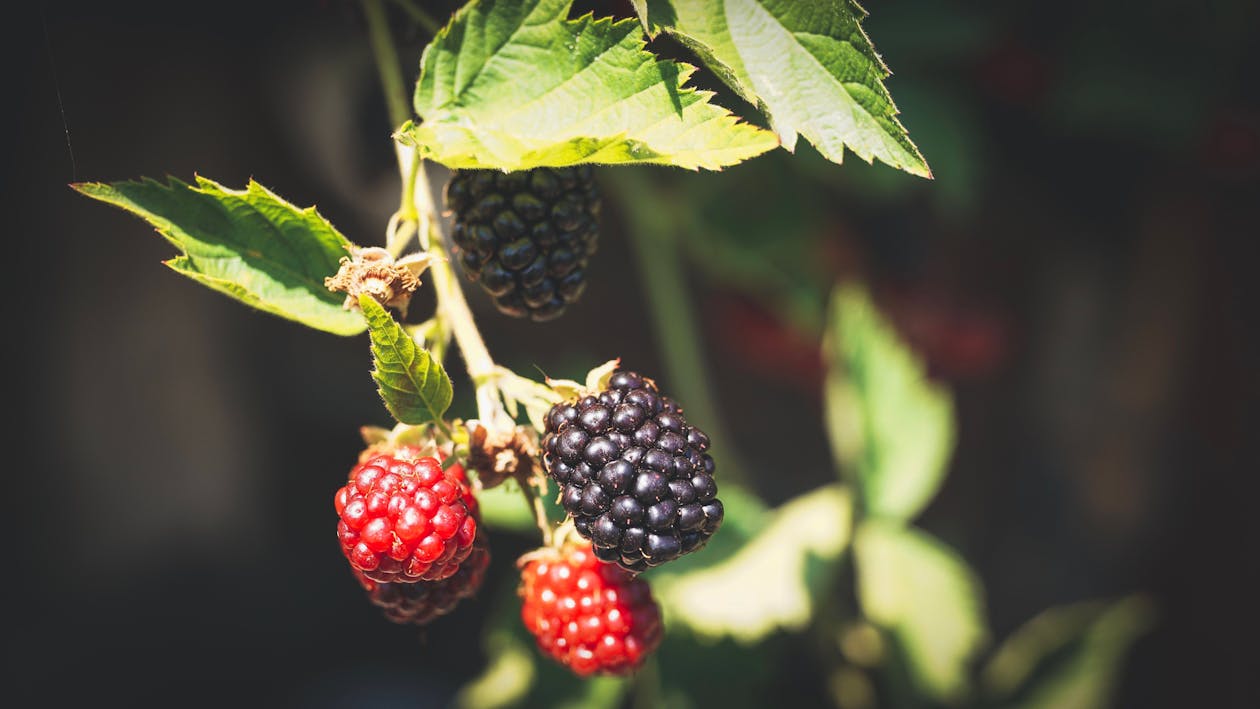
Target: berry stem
(387,63)
(540,511)
(452,307)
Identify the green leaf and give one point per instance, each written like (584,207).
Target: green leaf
(504,507)
(889,426)
(808,66)
(413,384)
(917,588)
(1069,656)
(514,85)
(779,574)
(249,244)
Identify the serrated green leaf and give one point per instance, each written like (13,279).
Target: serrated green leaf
(780,573)
(514,85)
(249,244)
(1069,656)
(921,591)
(413,384)
(891,428)
(809,66)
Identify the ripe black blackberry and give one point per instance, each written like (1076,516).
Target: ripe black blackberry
(526,236)
(633,474)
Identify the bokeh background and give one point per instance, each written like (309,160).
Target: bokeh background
(1081,273)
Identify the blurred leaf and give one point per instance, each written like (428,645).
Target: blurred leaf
(890,427)
(506,679)
(696,671)
(249,244)
(921,591)
(413,385)
(514,85)
(504,507)
(778,574)
(810,68)
(1069,656)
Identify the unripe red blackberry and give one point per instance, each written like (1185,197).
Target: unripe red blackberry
(633,474)
(587,614)
(526,236)
(406,520)
(418,603)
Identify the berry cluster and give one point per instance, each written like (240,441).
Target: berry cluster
(419,603)
(405,520)
(633,474)
(526,236)
(588,615)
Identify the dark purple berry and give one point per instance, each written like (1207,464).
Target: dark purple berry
(634,475)
(526,236)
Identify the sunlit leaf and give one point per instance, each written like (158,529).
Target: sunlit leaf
(891,428)
(918,589)
(249,244)
(1069,656)
(514,85)
(808,66)
(413,384)
(770,583)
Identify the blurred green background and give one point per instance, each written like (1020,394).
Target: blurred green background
(1046,502)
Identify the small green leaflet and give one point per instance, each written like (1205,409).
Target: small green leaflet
(514,85)
(249,244)
(413,385)
(917,588)
(891,428)
(808,65)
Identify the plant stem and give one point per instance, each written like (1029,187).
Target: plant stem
(540,511)
(387,64)
(653,240)
(452,307)
(419,16)
(417,213)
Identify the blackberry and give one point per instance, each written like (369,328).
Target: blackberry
(526,236)
(633,474)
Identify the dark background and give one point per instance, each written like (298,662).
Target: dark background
(1082,271)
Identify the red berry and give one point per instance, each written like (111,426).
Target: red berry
(589,615)
(405,519)
(418,603)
